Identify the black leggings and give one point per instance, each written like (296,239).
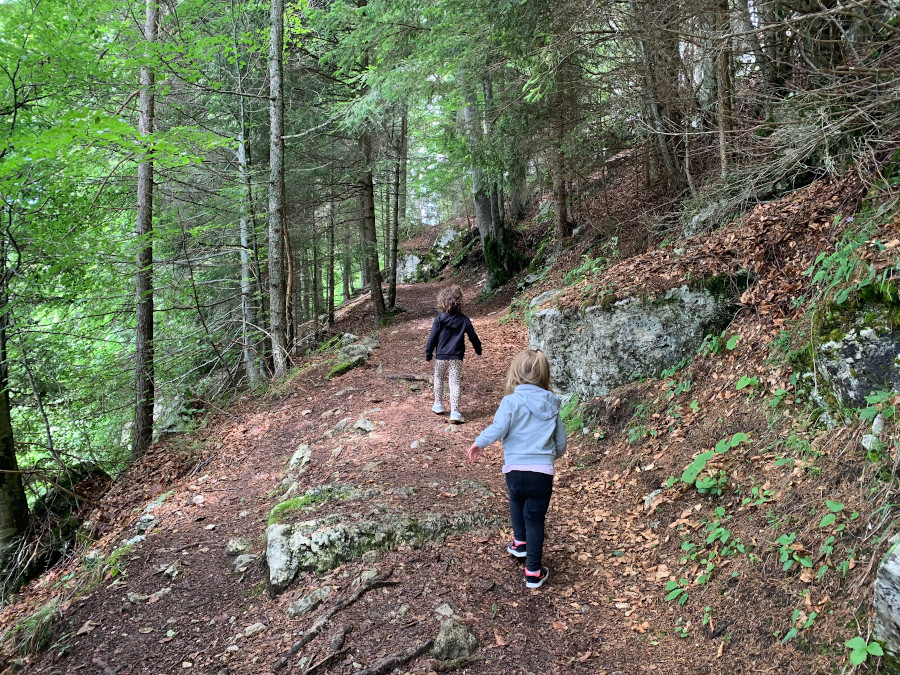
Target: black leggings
(529,499)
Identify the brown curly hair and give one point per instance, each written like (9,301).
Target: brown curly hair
(450,300)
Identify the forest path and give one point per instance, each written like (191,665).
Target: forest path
(198,621)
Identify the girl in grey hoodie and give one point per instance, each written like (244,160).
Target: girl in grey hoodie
(533,436)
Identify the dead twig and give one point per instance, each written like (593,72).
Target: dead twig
(388,663)
(407,376)
(316,628)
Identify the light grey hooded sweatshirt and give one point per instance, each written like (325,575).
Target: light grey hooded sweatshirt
(529,425)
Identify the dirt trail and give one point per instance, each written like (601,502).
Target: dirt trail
(579,622)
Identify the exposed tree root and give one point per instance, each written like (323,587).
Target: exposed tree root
(388,663)
(337,649)
(316,628)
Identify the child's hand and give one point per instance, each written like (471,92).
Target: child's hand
(475,453)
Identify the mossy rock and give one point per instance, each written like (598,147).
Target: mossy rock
(346,366)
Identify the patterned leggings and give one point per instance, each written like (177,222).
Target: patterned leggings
(441,370)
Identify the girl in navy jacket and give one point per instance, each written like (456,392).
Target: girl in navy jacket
(447,342)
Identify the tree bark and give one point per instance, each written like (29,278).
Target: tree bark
(13,502)
(144,370)
(723,80)
(329,275)
(248,313)
(277,289)
(368,232)
(395,231)
(499,254)
(316,277)
(404,162)
(346,264)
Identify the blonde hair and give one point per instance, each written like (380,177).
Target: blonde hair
(450,300)
(529,366)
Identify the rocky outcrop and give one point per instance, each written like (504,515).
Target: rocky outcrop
(324,543)
(865,359)
(594,349)
(887,610)
(413,267)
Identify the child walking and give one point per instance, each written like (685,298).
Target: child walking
(533,436)
(447,340)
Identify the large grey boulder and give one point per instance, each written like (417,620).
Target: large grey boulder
(407,267)
(887,610)
(863,360)
(593,350)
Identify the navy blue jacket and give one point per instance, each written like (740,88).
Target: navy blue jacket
(447,337)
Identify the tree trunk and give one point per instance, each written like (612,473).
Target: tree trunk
(368,232)
(723,80)
(404,161)
(329,275)
(248,313)
(144,373)
(560,197)
(277,289)
(13,502)
(395,232)
(346,264)
(290,282)
(316,286)
(498,253)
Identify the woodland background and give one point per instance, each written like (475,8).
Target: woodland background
(190,188)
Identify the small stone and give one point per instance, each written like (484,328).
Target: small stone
(878,425)
(237,547)
(340,426)
(367,575)
(136,540)
(173,570)
(254,629)
(371,557)
(243,514)
(301,457)
(145,523)
(232,648)
(137,598)
(868,441)
(242,562)
(210,527)
(309,602)
(198,500)
(444,610)
(364,425)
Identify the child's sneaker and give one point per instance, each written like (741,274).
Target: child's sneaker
(437,409)
(536,580)
(516,548)
(456,418)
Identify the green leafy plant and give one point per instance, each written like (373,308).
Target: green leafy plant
(790,553)
(860,650)
(835,508)
(677,591)
(747,381)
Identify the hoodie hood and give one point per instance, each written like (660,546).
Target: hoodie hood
(539,402)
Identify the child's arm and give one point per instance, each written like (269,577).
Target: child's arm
(559,436)
(497,431)
(473,337)
(432,339)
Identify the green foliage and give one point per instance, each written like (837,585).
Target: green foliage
(713,484)
(282,510)
(33,633)
(344,367)
(572,414)
(860,650)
